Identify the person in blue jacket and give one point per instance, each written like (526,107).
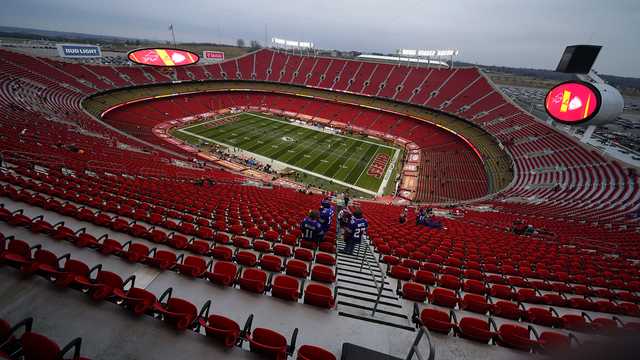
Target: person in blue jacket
(356,231)
(311,228)
(326,217)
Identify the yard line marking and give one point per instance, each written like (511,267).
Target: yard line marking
(320,131)
(366,191)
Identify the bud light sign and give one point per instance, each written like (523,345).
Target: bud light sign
(79,51)
(213,55)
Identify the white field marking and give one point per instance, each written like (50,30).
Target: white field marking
(206,122)
(367,167)
(318,131)
(285,165)
(387,175)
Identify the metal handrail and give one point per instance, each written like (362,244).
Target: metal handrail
(414,350)
(379,287)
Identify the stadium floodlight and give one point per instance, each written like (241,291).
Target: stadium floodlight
(426,53)
(407,52)
(292,44)
(305,44)
(447,52)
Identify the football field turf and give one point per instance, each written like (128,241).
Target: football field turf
(361,164)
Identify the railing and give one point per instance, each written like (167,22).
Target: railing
(414,350)
(380,286)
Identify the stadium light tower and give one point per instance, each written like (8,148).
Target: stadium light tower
(279,43)
(429,56)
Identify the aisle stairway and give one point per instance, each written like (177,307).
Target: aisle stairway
(357,290)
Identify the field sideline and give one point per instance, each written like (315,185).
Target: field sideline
(337,158)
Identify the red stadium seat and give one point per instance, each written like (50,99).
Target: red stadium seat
(253,280)
(310,352)
(224,273)
(475,329)
(285,287)
(319,295)
(436,320)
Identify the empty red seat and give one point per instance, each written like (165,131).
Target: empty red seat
(138,300)
(204,232)
(411,263)
(223,273)
(319,295)
(475,303)
(44,262)
(603,324)
(443,297)
(449,282)
(553,340)
(297,268)
(253,232)
(400,272)
(261,246)
(515,336)
(574,322)
(282,250)
(17,253)
(425,277)
(414,291)
(326,259)
(192,266)
(271,263)
(200,247)
(390,259)
(177,241)
(108,284)
(222,238)
(241,242)
(554,300)
(303,254)
(507,309)
(475,329)
(246,258)
(253,280)
(223,253)
(162,259)
(39,347)
(285,287)
(528,296)
(310,352)
(136,252)
(323,273)
(268,343)
(501,291)
(474,286)
(74,271)
(223,329)
(271,235)
(437,320)
(542,317)
(180,313)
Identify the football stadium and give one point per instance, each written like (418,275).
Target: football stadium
(283,199)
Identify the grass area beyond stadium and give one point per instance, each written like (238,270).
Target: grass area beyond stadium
(361,164)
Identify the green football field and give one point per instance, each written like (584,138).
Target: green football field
(339,159)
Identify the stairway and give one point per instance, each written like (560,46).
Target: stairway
(357,291)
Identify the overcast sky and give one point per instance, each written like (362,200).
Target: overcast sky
(523,33)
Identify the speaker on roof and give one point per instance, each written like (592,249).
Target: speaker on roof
(578,59)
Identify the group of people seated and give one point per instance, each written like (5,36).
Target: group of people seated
(427,217)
